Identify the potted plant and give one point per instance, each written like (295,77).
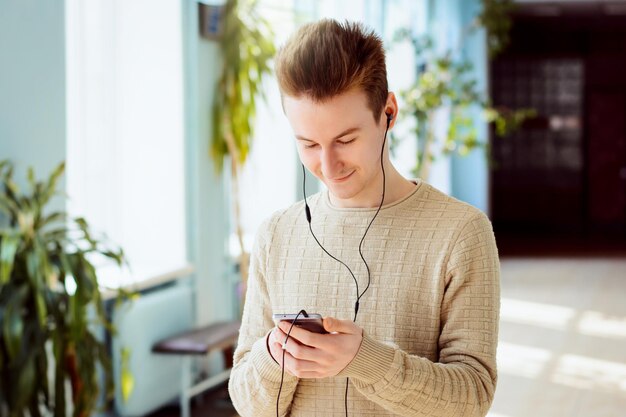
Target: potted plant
(50,304)
(247,47)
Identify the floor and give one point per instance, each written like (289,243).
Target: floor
(562,344)
(562,349)
(212,403)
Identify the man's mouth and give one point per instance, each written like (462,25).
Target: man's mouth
(341,179)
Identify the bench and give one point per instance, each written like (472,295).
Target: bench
(202,341)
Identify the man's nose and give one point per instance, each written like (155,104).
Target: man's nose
(331,163)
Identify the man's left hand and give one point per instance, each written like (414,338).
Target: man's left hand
(314,355)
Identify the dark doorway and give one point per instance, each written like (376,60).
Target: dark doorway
(560,181)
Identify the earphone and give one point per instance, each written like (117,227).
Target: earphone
(307,210)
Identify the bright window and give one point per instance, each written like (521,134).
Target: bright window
(125,147)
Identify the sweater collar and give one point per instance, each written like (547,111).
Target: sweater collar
(325,201)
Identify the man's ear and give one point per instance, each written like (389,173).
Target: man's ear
(391,109)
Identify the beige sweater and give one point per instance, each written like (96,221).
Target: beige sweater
(429,318)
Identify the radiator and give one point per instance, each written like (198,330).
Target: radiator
(140,323)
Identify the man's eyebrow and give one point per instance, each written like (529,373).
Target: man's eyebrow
(342,134)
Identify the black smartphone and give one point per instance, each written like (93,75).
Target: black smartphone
(313,323)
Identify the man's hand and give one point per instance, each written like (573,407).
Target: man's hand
(314,355)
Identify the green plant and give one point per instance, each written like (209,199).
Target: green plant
(444,82)
(49,299)
(495,17)
(247,48)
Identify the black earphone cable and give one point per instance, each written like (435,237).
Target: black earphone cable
(382,167)
(308,217)
(308,211)
(282,374)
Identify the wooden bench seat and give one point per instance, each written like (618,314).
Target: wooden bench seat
(220,336)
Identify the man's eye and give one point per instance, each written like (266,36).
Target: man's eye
(313,145)
(347,141)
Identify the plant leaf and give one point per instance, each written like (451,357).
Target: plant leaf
(8,249)
(50,188)
(25,382)
(13,324)
(53,217)
(128,382)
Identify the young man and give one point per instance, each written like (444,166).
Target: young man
(425,336)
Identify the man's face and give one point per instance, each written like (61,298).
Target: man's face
(339,142)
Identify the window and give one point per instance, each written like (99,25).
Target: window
(125,147)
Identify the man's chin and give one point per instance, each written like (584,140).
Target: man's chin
(341,192)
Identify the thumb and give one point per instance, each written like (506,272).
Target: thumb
(332,324)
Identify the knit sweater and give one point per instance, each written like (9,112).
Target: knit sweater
(429,318)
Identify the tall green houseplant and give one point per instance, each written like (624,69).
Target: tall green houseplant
(247,47)
(49,300)
(444,81)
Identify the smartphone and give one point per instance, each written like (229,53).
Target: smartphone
(313,323)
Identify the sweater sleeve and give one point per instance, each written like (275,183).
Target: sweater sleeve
(255,377)
(463,381)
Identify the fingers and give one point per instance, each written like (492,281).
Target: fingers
(303,336)
(278,336)
(295,365)
(294,347)
(333,325)
(300,368)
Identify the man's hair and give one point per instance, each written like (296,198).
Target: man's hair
(327,58)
